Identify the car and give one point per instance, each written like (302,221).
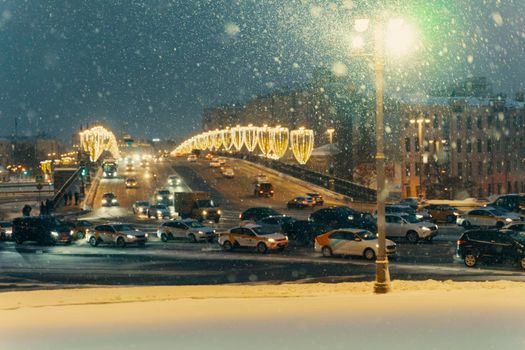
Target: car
(131,182)
(6,230)
(164,196)
(300,202)
(509,202)
(263,189)
(487,217)
(159,211)
(129,167)
(257,213)
(412,202)
(277,223)
(174,180)
(228,172)
(222,161)
(304,231)
(491,246)
(423,215)
(399,209)
(215,163)
(252,236)
(189,229)
(409,227)
(116,233)
(516,226)
(208,156)
(44,230)
(355,242)
(192,158)
(109,199)
(334,217)
(442,212)
(79,228)
(140,207)
(316,197)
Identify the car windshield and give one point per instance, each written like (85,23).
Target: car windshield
(262,231)
(195,224)
(205,203)
(142,204)
(518,236)
(161,207)
(413,219)
(122,227)
(498,212)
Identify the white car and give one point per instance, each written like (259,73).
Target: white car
(349,241)
(487,217)
(409,227)
(189,229)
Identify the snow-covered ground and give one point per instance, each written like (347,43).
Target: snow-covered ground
(416,315)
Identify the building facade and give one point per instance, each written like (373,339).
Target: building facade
(462,147)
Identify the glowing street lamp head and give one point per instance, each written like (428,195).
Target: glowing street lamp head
(400,37)
(361,24)
(357,42)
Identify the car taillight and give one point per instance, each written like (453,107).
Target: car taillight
(461,241)
(260,191)
(271,191)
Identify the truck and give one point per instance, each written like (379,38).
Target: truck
(196,205)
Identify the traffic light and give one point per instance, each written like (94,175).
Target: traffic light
(83,172)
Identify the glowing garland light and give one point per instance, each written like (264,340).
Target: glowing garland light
(227,139)
(279,137)
(238,137)
(217,139)
(302,144)
(251,137)
(97,140)
(264,140)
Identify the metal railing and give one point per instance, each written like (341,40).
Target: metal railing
(344,187)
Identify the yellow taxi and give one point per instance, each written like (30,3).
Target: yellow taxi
(252,236)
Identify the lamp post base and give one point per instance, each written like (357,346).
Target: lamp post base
(382,283)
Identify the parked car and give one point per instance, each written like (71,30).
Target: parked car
(343,217)
(189,229)
(109,199)
(6,230)
(491,246)
(116,233)
(192,158)
(316,198)
(257,213)
(44,230)
(351,242)
(409,227)
(140,207)
(159,211)
(252,236)
(300,202)
(443,212)
(487,217)
(263,189)
(131,182)
(304,231)
(277,223)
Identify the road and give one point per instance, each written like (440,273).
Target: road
(204,263)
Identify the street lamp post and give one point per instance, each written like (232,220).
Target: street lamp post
(420,121)
(330,133)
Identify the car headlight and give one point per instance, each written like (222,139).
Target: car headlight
(419,216)
(113,201)
(115,173)
(159,198)
(170,197)
(200,232)
(204,212)
(141,210)
(508,220)
(219,212)
(146,235)
(54,233)
(159,212)
(456,213)
(71,233)
(130,236)
(271,240)
(104,201)
(425,228)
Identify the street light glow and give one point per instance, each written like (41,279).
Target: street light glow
(361,24)
(400,37)
(357,42)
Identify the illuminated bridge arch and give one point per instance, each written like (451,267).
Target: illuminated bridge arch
(97,140)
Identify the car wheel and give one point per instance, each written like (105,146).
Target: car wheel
(192,238)
(80,235)
(412,236)
(470,260)
(227,246)
(499,224)
(369,254)
(327,251)
(164,237)
(451,219)
(93,241)
(121,243)
(522,263)
(3,236)
(262,248)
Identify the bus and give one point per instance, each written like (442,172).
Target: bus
(110,169)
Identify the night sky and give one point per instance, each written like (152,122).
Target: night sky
(149,67)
